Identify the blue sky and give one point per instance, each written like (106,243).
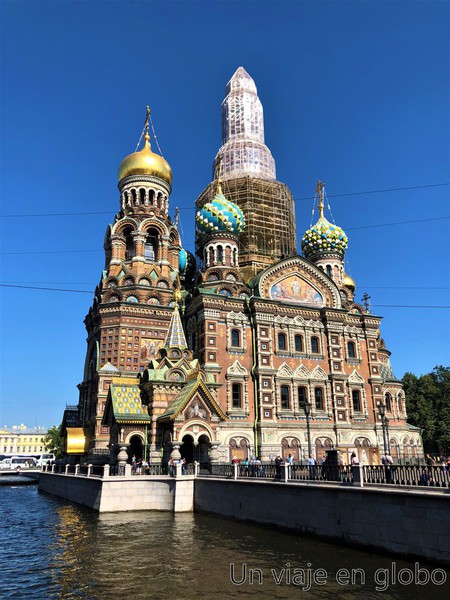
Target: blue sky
(354,93)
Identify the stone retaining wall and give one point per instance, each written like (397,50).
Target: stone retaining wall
(114,494)
(404,522)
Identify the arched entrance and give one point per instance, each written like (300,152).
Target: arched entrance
(136,447)
(202,453)
(187,448)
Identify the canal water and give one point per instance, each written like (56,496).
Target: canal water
(53,549)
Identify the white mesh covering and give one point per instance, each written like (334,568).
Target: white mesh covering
(244,151)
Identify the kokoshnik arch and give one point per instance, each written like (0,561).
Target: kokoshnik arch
(220,357)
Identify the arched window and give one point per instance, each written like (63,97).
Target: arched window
(388,401)
(351,349)
(298,343)
(281,341)
(318,397)
(285,400)
(356,399)
(150,247)
(315,345)
(236,395)
(219,254)
(329,271)
(129,244)
(235,338)
(302,397)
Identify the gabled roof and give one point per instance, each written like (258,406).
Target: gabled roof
(183,398)
(126,404)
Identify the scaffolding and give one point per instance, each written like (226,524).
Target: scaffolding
(244,151)
(268,207)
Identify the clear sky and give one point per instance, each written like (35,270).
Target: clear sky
(354,93)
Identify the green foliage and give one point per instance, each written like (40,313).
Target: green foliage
(428,407)
(53,441)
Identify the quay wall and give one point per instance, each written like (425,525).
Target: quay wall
(116,494)
(408,523)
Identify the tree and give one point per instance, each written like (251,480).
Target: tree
(428,407)
(53,441)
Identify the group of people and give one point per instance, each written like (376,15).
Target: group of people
(139,466)
(172,463)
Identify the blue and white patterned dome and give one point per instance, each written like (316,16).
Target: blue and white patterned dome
(182,260)
(220,215)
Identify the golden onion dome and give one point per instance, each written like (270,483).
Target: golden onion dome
(349,282)
(145,162)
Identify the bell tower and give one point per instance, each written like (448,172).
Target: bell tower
(134,300)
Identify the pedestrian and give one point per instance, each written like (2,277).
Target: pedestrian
(290,463)
(312,466)
(387,462)
(278,462)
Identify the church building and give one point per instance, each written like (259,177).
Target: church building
(249,349)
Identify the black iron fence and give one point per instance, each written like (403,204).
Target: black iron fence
(394,475)
(408,475)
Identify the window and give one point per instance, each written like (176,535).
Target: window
(236,395)
(302,398)
(129,245)
(315,345)
(150,247)
(388,401)
(356,398)
(318,396)
(285,403)
(235,338)
(298,343)
(281,341)
(219,254)
(329,272)
(351,350)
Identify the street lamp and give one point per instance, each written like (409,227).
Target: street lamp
(382,413)
(307,407)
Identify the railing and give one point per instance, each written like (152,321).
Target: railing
(398,475)
(150,470)
(408,475)
(340,473)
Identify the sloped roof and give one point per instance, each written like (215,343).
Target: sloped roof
(127,405)
(386,372)
(109,368)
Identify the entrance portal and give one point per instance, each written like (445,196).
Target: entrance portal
(136,447)
(187,449)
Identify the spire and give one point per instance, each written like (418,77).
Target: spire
(319,191)
(175,336)
(243,151)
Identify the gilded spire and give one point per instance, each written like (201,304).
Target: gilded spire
(146,127)
(319,190)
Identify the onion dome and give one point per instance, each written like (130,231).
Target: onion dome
(220,215)
(323,237)
(145,162)
(182,260)
(349,283)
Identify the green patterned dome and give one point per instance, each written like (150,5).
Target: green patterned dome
(220,215)
(324,237)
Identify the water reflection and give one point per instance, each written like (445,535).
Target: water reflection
(56,550)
